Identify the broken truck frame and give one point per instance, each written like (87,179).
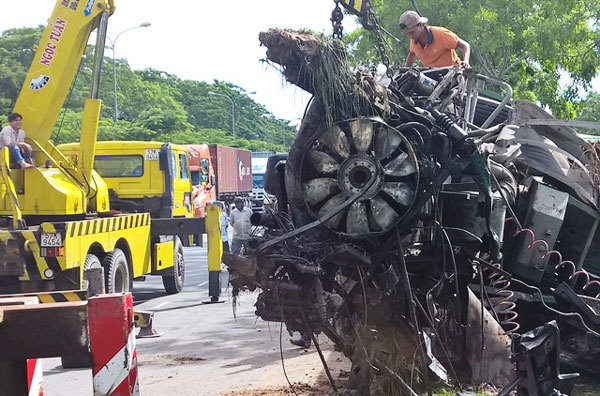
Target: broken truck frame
(416,214)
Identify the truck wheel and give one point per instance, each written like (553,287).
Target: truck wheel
(91,262)
(116,272)
(174,281)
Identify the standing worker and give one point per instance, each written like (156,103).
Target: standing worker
(239,219)
(435,46)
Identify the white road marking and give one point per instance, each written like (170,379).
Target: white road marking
(202,284)
(161,305)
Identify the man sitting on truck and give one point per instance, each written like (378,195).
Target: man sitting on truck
(239,218)
(13,137)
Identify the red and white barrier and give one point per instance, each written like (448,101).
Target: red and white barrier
(34,377)
(112,341)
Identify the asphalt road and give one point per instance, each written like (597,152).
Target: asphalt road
(204,349)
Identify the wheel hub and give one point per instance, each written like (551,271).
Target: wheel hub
(356,172)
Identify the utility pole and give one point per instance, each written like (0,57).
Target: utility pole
(113,43)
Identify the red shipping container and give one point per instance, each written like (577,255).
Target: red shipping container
(233,170)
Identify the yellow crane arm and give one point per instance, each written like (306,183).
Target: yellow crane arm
(55,64)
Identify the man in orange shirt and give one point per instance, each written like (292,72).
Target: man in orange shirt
(434,46)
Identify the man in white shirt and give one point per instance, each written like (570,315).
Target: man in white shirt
(239,219)
(13,137)
(224,225)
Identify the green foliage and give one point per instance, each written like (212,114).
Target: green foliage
(16,51)
(529,43)
(152,104)
(588,109)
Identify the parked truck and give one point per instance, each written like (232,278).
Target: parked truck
(259,168)
(218,173)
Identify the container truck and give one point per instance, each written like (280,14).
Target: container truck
(219,173)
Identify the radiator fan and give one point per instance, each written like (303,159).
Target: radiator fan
(347,157)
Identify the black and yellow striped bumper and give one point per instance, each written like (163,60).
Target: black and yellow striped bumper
(89,227)
(21,254)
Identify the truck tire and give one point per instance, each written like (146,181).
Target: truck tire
(173,282)
(116,272)
(91,261)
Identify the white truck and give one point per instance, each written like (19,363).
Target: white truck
(259,168)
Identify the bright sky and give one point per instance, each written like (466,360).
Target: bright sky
(203,40)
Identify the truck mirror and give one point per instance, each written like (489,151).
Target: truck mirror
(204,166)
(271,180)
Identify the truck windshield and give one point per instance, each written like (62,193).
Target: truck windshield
(183,167)
(195,178)
(119,165)
(258,181)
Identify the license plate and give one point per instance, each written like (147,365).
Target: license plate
(151,154)
(52,239)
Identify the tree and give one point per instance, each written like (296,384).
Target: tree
(16,54)
(153,104)
(588,109)
(529,43)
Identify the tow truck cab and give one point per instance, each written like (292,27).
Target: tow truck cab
(149,177)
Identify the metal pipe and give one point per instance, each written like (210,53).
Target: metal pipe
(468,103)
(474,99)
(99,55)
(498,109)
(113,44)
(116,115)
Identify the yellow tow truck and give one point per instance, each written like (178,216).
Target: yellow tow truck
(56,220)
(151,177)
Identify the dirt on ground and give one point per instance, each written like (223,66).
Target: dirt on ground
(315,385)
(299,388)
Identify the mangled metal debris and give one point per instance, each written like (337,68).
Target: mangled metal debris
(434,234)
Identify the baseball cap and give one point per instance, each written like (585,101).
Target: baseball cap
(409,19)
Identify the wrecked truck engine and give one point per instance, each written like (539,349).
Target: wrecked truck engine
(435,235)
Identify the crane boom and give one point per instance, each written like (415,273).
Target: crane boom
(55,63)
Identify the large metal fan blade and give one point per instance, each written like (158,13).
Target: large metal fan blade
(322,163)
(363,156)
(383,214)
(386,143)
(402,165)
(400,192)
(337,141)
(362,134)
(331,205)
(357,221)
(317,190)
